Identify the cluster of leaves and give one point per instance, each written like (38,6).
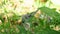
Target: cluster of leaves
(39,25)
(47,18)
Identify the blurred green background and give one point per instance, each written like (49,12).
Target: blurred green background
(29,17)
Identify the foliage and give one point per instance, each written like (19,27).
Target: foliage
(43,20)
